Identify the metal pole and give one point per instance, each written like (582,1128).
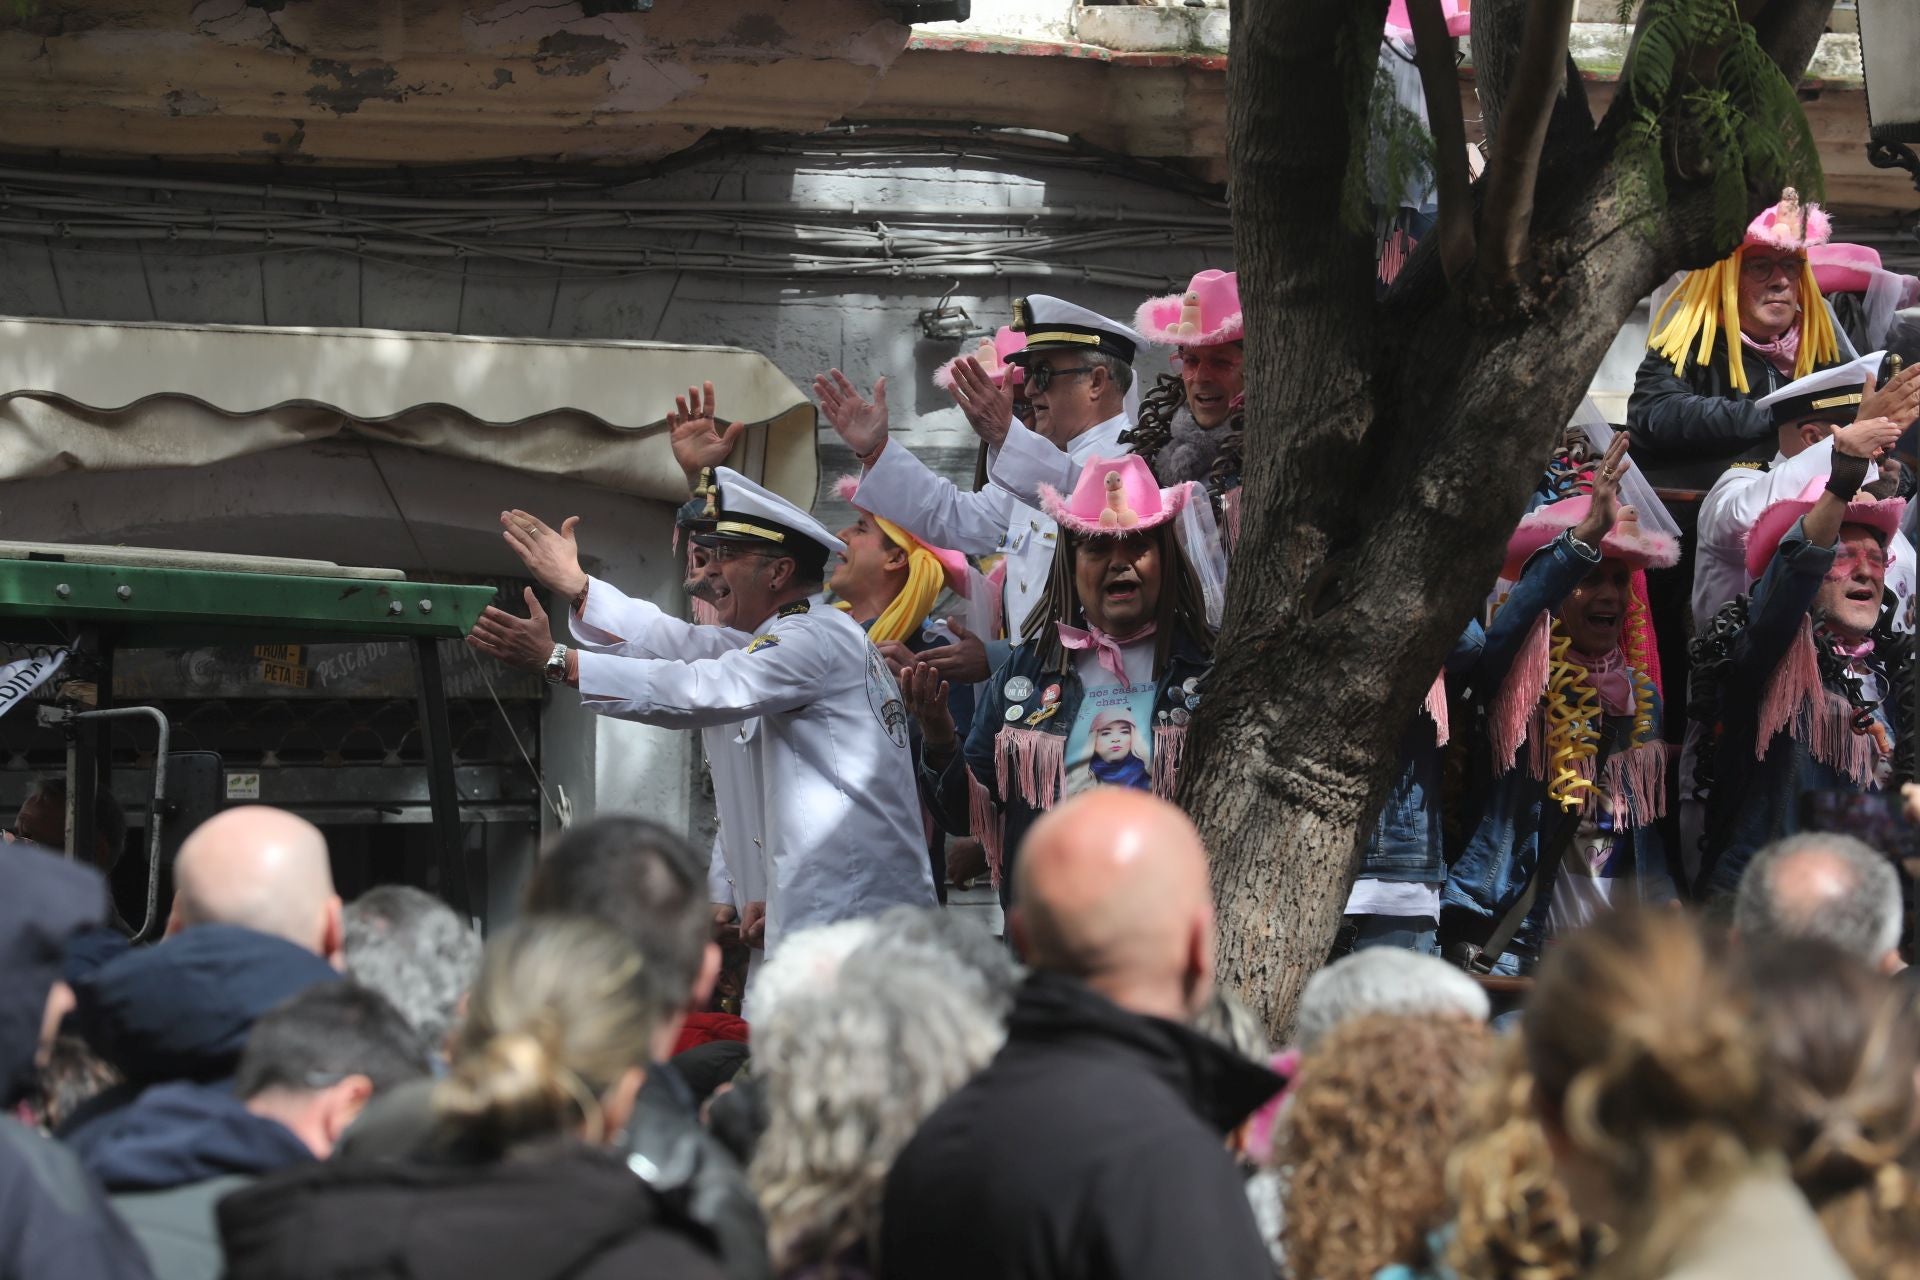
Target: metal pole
(83,752)
(437,739)
(156,803)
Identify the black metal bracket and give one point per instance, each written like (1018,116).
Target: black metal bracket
(1895,155)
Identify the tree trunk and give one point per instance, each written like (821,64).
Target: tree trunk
(1399,441)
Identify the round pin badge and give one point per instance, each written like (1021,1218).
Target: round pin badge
(1193,702)
(1018,689)
(1052,694)
(1015,712)
(1190,684)
(1178,715)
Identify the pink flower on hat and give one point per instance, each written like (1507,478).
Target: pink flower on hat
(992,354)
(1206,315)
(1114,496)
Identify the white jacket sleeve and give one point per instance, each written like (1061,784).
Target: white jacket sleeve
(719,883)
(614,622)
(784,675)
(1727,518)
(1026,460)
(901,488)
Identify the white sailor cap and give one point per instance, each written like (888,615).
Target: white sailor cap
(739,511)
(1052,324)
(1832,395)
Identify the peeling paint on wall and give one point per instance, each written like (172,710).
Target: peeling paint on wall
(569,53)
(350,87)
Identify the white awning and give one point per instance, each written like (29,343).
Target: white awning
(92,396)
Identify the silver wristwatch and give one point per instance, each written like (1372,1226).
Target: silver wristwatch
(556,668)
(1591,553)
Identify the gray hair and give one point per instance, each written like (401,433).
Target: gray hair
(850,1068)
(1384,980)
(1120,371)
(411,948)
(909,934)
(808,961)
(1856,909)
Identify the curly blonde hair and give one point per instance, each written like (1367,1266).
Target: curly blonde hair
(1375,1109)
(1847,1046)
(1647,1055)
(1513,1218)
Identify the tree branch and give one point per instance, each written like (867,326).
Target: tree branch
(1433,54)
(1789,30)
(1514,167)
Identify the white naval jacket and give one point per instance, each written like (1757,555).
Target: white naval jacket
(838,807)
(1733,506)
(612,622)
(901,488)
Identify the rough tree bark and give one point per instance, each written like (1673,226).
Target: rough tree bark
(1398,441)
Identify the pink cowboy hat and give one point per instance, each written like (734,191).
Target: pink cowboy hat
(1457,13)
(1789,225)
(1206,315)
(1882,515)
(952,563)
(992,354)
(1114,497)
(1843,268)
(1628,541)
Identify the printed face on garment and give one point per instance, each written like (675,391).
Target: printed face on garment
(743,583)
(870,559)
(1212,377)
(1595,613)
(1063,393)
(1113,738)
(1769,291)
(1118,581)
(1849,600)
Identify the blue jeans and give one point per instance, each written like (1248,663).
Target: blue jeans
(1409,933)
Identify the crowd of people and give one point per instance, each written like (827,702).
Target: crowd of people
(1616,993)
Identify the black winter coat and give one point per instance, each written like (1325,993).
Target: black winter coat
(1093,1145)
(1687,429)
(563,1211)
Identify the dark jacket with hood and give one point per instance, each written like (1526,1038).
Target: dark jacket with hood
(53,1220)
(543,1214)
(182,1010)
(1093,1145)
(171,1156)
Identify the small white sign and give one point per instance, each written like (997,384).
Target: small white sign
(243,786)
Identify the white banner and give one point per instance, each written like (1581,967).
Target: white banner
(18,679)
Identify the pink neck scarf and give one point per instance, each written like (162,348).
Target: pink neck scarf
(1105,647)
(1781,353)
(1610,679)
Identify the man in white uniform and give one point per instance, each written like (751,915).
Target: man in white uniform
(1079,367)
(828,739)
(1806,413)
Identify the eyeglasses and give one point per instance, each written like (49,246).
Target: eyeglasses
(1041,376)
(1219,366)
(727,552)
(1761,270)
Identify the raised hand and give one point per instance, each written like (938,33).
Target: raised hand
(860,422)
(697,437)
(925,694)
(1605,508)
(525,643)
(962,662)
(553,558)
(1899,400)
(989,408)
(1867,437)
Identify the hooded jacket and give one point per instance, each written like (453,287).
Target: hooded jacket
(54,1222)
(560,1211)
(1092,1145)
(182,1010)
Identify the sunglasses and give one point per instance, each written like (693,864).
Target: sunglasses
(1041,376)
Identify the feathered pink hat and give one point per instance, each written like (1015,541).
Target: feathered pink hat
(992,354)
(1206,315)
(1879,514)
(1457,13)
(1627,541)
(1114,497)
(952,563)
(1843,268)
(1790,225)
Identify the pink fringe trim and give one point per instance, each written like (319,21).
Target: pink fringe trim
(1798,703)
(1436,708)
(1230,507)
(983,821)
(1635,781)
(1033,763)
(1514,705)
(1169,741)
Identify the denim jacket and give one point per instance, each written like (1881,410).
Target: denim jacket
(1408,843)
(1756,801)
(1512,823)
(945,788)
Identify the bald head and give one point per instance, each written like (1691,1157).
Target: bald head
(1832,888)
(1111,887)
(263,869)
